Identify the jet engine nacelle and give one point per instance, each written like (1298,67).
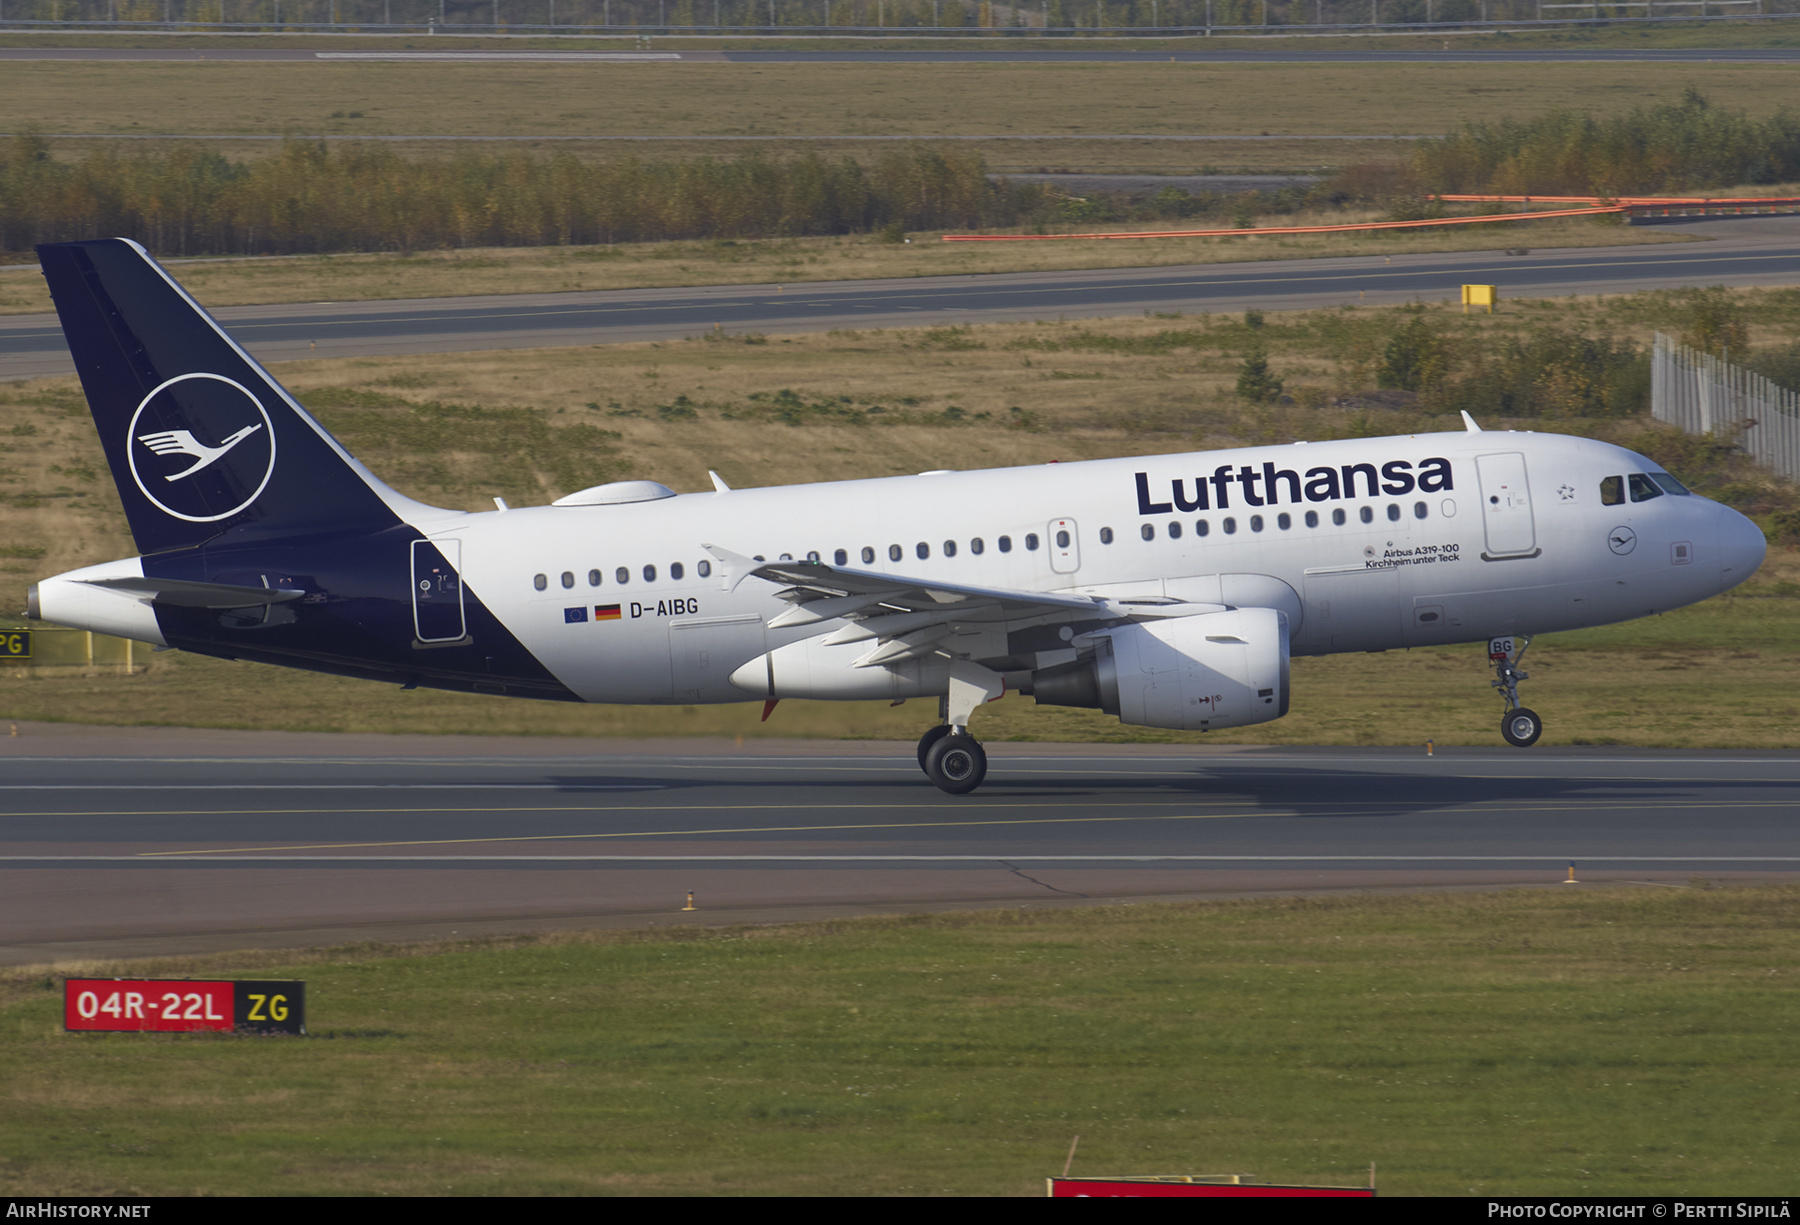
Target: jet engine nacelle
(1214,670)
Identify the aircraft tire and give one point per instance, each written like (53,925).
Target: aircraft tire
(928,739)
(1521,728)
(956,764)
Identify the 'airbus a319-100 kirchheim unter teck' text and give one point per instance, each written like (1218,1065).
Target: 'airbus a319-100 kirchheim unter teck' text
(1169,591)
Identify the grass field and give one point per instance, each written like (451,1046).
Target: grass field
(1294,155)
(690,99)
(1617,1041)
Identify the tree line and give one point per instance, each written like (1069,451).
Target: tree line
(1689,145)
(186,199)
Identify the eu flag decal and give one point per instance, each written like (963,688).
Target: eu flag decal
(573,616)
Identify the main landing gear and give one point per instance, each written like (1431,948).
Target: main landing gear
(952,758)
(1519,727)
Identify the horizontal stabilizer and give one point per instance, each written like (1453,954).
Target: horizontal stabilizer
(181,593)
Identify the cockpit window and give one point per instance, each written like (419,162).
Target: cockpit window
(1670,484)
(1643,488)
(1612,490)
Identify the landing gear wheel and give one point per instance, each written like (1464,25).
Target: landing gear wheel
(1521,728)
(930,738)
(957,764)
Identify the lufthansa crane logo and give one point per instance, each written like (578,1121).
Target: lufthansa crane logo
(201,447)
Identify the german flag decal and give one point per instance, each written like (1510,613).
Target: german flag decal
(606,612)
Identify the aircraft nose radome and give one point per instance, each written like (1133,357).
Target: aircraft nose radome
(1741,549)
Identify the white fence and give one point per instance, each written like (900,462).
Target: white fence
(1704,395)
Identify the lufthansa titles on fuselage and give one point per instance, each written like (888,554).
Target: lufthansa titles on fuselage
(1265,486)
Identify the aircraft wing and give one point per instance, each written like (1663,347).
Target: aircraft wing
(908,616)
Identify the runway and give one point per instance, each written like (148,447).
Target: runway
(119,842)
(1749,251)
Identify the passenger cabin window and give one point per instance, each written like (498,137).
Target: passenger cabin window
(1337,517)
(923,550)
(593,578)
(1312,518)
(1393,512)
(649,574)
(868,556)
(675,571)
(1284,521)
(621,576)
(1643,488)
(1419,511)
(568,578)
(840,558)
(1106,535)
(977,546)
(1005,543)
(1612,490)
(1366,514)
(1201,527)
(1147,531)
(704,569)
(1031,542)
(1230,526)
(540,581)
(1174,531)
(895,552)
(949,548)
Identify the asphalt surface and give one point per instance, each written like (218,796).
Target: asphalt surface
(668,48)
(1748,251)
(153,841)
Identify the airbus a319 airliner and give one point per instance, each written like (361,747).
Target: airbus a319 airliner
(1169,591)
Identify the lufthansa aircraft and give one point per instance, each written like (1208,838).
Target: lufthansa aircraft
(1169,591)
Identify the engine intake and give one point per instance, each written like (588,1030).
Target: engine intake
(1215,670)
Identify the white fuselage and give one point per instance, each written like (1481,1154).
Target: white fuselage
(1510,536)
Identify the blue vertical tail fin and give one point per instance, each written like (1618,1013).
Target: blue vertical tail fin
(202,441)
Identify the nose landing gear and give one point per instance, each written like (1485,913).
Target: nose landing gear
(1519,726)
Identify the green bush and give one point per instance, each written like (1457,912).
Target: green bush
(1417,357)
(1256,383)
